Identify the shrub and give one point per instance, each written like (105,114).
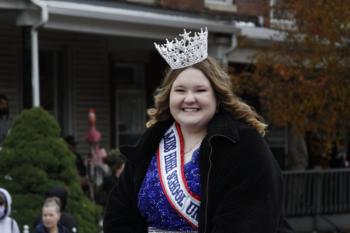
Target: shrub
(33,159)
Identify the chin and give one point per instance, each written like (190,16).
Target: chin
(194,125)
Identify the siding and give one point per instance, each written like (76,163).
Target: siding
(88,79)
(254,8)
(10,48)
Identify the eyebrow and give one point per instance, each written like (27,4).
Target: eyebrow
(196,86)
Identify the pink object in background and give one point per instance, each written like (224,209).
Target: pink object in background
(93,137)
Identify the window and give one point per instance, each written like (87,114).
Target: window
(221,5)
(51,84)
(150,2)
(220,1)
(129,103)
(279,14)
(131,115)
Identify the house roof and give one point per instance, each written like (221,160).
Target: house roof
(112,18)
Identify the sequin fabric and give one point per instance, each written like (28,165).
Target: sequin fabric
(154,205)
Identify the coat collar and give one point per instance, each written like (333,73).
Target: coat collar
(222,125)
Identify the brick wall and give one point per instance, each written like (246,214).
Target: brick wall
(253,8)
(193,5)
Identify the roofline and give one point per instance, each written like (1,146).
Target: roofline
(85,17)
(13,4)
(262,33)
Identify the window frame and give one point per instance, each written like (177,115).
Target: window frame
(224,6)
(288,23)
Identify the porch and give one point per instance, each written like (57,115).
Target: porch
(317,200)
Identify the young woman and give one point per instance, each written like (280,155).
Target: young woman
(51,213)
(202,165)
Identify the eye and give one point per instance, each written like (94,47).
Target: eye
(179,90)
(201,90)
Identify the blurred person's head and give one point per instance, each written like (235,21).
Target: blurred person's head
(4,107)
(116,162)
(51,213)
(5,203)
(70,140)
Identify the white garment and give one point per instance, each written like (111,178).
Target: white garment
(7,224)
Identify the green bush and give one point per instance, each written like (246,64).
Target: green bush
(33,159)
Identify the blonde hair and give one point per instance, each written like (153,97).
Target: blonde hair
(222,87)
(53,202)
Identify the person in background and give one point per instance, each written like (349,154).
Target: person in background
(116,163)
(202,165)
(66,219)
(51,214)
(7,224)
(4,118)
(79,161)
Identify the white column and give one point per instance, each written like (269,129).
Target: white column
(35,67)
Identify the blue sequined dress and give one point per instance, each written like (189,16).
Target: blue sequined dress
(153,203)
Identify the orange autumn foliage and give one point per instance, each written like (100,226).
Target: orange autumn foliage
(305,81)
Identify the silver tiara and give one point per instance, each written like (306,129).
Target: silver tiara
(185,52)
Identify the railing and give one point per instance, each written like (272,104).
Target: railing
(316,192)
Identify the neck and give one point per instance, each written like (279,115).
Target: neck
(53,229)
(192,137)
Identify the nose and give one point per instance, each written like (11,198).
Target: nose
(189,98)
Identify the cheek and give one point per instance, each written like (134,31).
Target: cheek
(173,102)
(211,102)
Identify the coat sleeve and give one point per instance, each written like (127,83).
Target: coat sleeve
(121,214)
(248,190)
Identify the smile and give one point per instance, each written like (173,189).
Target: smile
(190,109)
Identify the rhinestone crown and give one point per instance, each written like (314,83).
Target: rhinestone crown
(185,52)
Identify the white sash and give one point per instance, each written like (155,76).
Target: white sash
(170,159)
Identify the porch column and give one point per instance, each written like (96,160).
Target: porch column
(35,67)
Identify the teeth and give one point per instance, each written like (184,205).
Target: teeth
(190,109)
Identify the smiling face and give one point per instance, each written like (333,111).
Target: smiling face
(50,217)
(192,100)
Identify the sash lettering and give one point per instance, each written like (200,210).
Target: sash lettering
(170,167)
(169,141)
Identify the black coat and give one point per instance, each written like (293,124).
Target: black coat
(40,228)
(241,183)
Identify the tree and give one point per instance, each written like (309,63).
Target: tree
(304,81)
(33,159)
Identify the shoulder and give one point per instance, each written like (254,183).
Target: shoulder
(248,149)
(62,229)
(40,228)
(68,220)
(253,147)
(15,225)
(249,136)
(147,143)
(7,221)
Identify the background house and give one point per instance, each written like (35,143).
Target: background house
(100,54)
